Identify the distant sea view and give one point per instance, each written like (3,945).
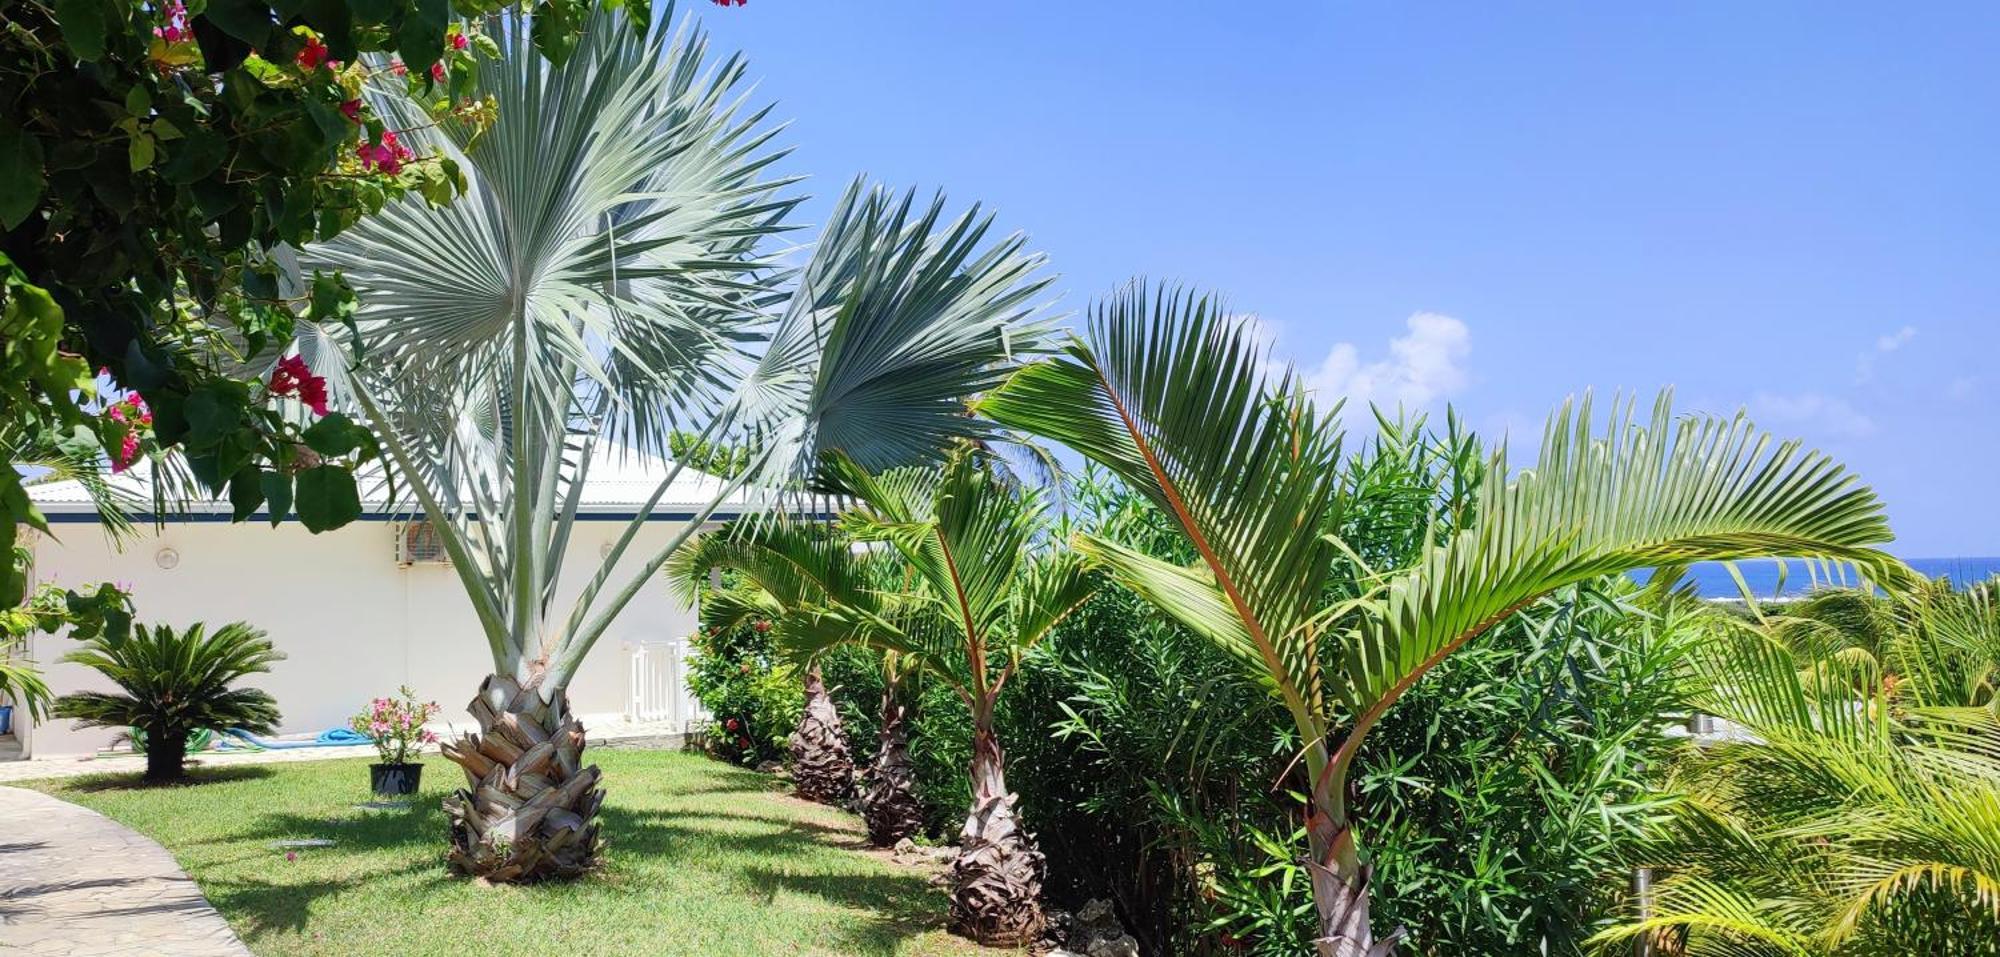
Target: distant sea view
(1766,581)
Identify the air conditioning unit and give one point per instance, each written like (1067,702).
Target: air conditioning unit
(417,543)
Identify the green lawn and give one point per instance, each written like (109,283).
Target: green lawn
(703,859)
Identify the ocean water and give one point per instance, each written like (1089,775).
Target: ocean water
(1767,580)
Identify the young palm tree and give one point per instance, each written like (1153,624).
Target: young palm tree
(889,804)
(822,766)
(602,285)
(1172,396)
(799,571)
(1851,813)
(974,601)
(175,683)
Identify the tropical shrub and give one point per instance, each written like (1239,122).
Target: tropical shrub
(1852,804)
(752,698)
(153,154)
(1144,792)
(97,610)
(175,683)
(1175,400)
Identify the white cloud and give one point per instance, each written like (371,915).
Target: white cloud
(1895,340)
(1815,412)
(1424,365)
(1864,366)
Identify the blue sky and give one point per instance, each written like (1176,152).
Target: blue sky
(1790,207)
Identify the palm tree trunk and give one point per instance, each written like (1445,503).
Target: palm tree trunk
(1340,886)
(166,753)
(890,804)
(529,808)
(822,769)
(996,880)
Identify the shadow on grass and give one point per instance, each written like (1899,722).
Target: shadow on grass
(898,905)
(136,780)
(412,838)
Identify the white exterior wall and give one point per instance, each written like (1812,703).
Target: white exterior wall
(353,623)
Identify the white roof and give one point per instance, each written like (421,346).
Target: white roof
(619,482)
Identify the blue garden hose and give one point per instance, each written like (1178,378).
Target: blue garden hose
(330,738)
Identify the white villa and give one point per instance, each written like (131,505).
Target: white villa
(366,608)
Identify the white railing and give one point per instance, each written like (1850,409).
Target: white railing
(659,685)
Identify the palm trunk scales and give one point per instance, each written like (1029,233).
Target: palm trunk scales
(822,768)
(529,808)
(996,879)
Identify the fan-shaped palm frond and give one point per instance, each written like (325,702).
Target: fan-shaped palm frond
(604,285)
(1172,396)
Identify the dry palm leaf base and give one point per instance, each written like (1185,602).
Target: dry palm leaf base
(528,811)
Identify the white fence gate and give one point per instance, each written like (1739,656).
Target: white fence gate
(659,685)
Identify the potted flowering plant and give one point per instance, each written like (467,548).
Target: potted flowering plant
(396,726)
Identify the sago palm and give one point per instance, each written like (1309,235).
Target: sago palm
(174,683)
(602,284)
(1172,396)
(1849,812)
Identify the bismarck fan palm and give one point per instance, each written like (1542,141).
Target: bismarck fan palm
(602,284)
(1173,397)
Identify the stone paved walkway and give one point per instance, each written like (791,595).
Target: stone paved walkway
(74,883)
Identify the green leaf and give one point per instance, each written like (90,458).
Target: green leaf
(246,492)
(371,11)
(336,434)
(20,174)
(554,32)
(209,418)
(421,38)
(140,152)
(327,498)
(194,158)
(277,487)
(246,20)
(138,101)
(83,25)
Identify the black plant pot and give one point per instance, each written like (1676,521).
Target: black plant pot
(395,780)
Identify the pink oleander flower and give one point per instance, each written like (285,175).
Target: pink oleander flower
(459,41)
(352,110)
(437,71)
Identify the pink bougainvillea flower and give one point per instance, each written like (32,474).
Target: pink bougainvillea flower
(437,71)
(291,855)
(458,41)
(352,110)
(313,393)
(397,67)
(176,29)
(312,55)
(294,377)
